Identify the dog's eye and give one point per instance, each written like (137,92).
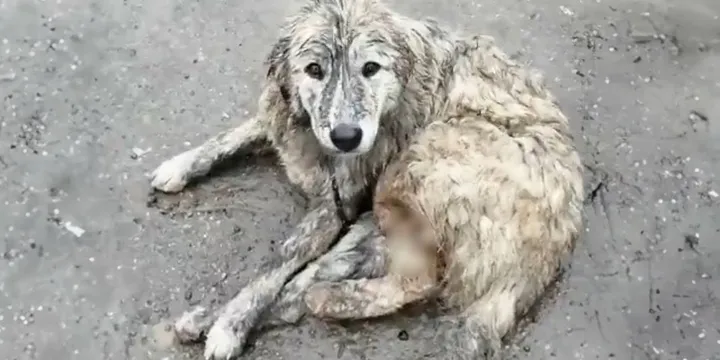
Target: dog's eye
(370,68)
(314,71)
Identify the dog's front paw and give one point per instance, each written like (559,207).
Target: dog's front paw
(222,342)
(192,324)
(290,248)
(173,174)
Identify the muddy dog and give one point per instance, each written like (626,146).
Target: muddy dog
(476,183)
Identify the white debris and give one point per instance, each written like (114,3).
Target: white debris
(566,11)
(7,76)
(140,152)
(713,193)
(76,230)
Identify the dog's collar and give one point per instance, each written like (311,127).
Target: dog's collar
(336,197)
(340,209)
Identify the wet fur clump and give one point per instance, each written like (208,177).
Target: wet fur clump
(470,163)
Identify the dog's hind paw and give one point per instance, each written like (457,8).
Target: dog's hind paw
(222,342)
(173,174)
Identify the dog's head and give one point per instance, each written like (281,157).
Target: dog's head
(341,63)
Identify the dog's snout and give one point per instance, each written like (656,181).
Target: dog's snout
(346,137)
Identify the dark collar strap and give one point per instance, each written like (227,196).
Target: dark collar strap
(338,200)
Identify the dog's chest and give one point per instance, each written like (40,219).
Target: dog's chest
(353,185)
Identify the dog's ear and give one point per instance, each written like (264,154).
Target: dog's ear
(278,67)
(279,73)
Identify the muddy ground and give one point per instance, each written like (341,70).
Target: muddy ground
(95,94)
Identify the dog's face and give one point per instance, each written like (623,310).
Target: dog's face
(344,70)
(346,89)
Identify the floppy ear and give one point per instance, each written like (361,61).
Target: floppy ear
(278,67)
(279,72)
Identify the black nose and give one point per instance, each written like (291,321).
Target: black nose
(346,137)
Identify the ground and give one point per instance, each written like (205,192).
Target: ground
(95,94)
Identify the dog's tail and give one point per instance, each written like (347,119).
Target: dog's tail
(477,332)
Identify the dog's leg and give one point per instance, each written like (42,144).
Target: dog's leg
(361,253)
(365,298)
(227,336)
(173,174)
(412,276)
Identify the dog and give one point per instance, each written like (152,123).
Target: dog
(434,165)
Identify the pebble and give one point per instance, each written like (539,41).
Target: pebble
(697,116)
(7,76)
(642,34)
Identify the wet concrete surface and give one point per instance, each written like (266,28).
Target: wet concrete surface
(95,94)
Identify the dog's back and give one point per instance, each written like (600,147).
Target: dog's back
(502,202)
(496,205)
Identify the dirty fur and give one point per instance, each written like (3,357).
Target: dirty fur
(475,181)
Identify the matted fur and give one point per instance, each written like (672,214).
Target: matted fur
(479,186)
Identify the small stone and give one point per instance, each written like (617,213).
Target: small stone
(642,37)
(697,116)
(403,335)
(691,241)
